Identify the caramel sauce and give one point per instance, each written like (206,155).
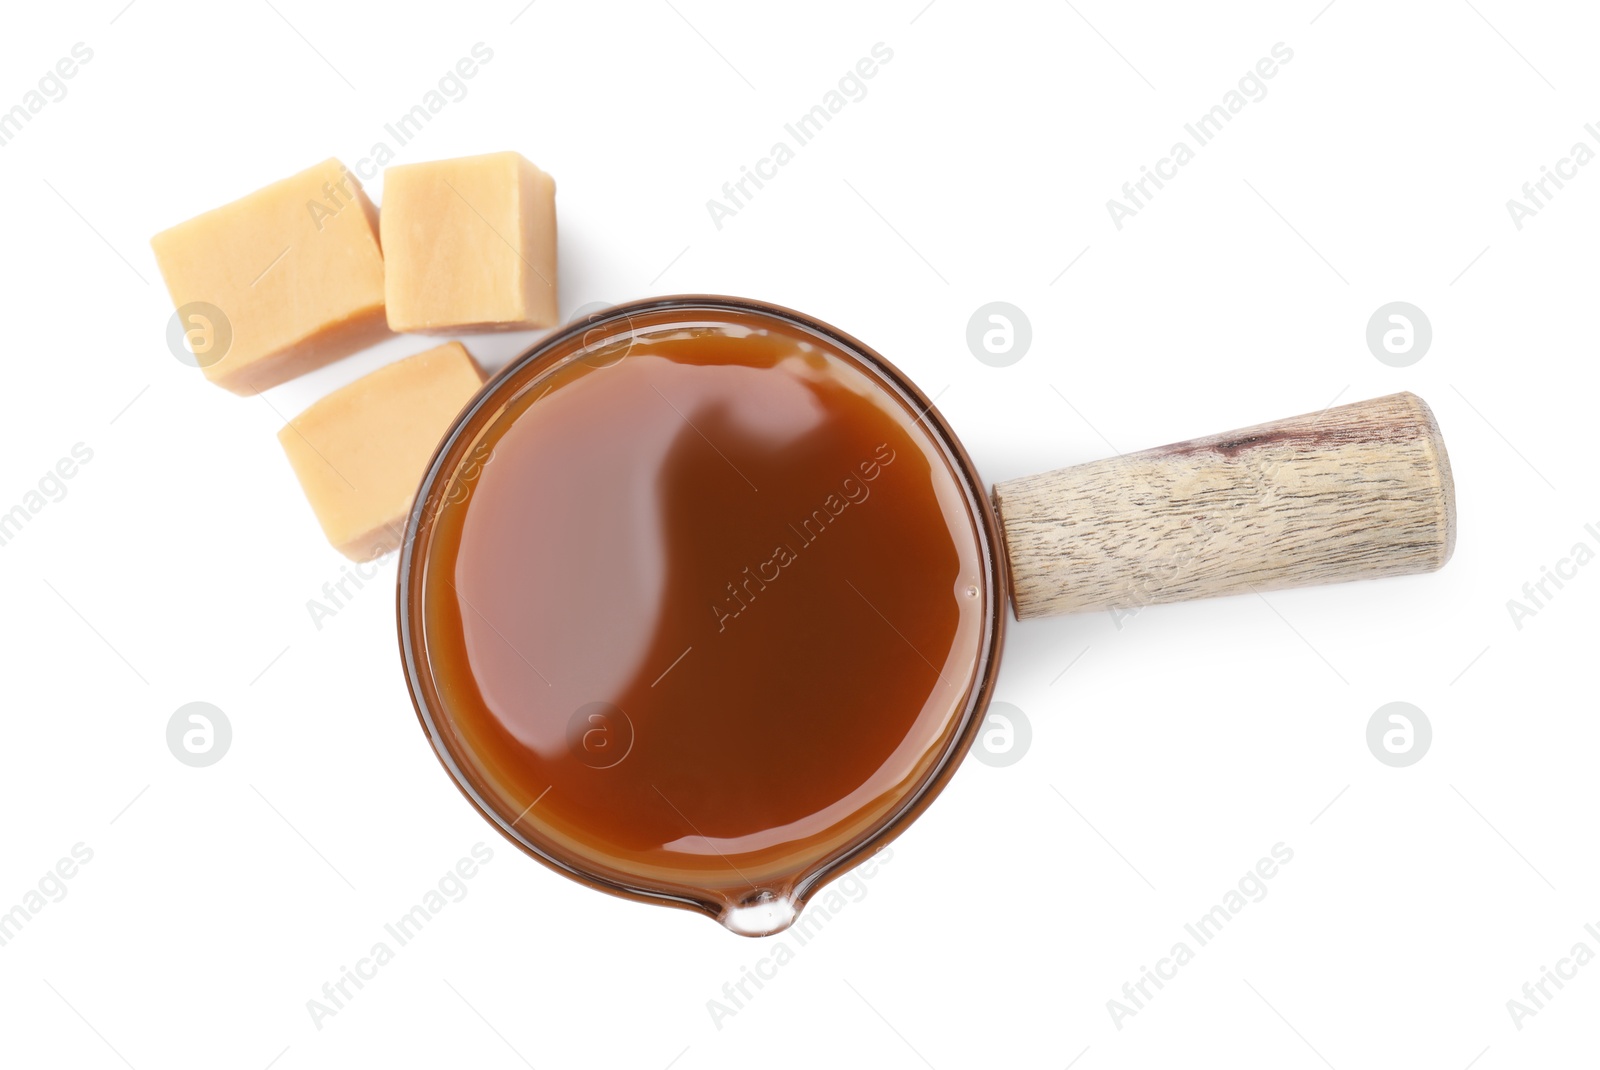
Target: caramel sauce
(706,607)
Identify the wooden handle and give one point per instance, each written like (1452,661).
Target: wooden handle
(1360,491)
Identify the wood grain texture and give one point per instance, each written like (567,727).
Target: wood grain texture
(1355,492)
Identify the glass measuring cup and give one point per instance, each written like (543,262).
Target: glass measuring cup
(542,615)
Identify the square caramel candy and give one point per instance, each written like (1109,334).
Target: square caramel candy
(470,245)
(361,452)
(280,282)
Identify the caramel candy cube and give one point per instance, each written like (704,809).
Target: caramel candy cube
(470,245)
(279,282)
(361,452)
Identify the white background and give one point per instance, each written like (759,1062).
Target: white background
(1176,750)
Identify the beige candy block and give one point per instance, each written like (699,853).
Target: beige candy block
(295,271)
(470,245)
(361,452)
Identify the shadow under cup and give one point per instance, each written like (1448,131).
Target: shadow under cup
(700,603)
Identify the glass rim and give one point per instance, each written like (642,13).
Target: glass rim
(503,387)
